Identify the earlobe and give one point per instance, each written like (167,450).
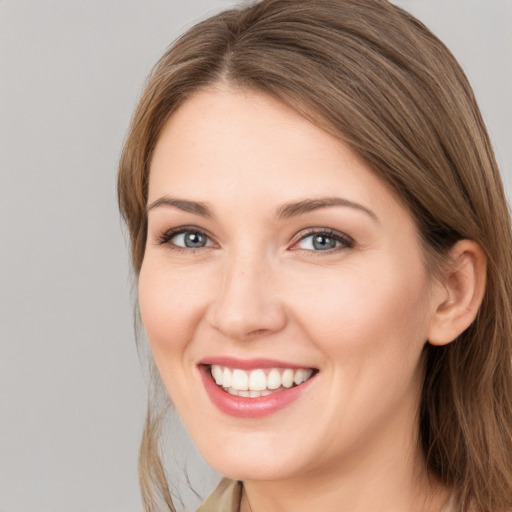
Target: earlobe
(461,292)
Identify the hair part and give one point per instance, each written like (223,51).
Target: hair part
(374,77)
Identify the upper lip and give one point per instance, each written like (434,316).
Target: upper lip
(250,364)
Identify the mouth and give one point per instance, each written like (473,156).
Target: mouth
(253,389)
(259,382)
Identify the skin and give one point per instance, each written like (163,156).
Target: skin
(360,313)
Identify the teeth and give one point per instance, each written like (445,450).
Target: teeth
(274,379)
(301,376)
(258,382)
(240,380)
(287,378)
(226,377)
(217,374)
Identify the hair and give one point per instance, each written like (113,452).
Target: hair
(378,80)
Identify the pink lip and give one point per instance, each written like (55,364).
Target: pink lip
(250,364)
(243,407)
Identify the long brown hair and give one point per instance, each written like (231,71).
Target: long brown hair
(376,78)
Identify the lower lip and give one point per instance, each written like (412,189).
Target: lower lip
(244,407)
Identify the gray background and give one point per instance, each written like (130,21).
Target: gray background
(72,394)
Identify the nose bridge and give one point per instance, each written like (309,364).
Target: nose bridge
(247,303)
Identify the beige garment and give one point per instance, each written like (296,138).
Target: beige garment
(228,494)
(225,498)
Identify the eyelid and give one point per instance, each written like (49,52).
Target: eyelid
(166,237)
(346,241)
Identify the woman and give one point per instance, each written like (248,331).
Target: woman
(321,242)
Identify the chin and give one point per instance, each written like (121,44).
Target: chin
(254,470)
(256,459)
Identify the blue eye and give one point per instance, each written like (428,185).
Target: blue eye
(324,241)
(186,239)
(190,240)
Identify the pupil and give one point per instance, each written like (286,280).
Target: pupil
(323,242)
(194,240)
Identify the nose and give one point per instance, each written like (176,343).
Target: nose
(248,305)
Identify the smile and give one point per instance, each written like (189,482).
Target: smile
(259,382)
(255,388)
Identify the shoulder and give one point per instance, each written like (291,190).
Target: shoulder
(450,505)
(453,505)
(225,498)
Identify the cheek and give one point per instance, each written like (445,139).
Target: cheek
(171,305)
(371,328)
(354,311)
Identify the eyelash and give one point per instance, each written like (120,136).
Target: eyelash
(345,241)
(165,238)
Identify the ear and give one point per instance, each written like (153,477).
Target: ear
(459,293)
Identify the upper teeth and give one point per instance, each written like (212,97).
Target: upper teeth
(258,380)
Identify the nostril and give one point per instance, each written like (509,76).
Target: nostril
(258,333)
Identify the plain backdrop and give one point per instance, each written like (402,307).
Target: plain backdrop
(72,393)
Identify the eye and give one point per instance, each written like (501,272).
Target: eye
(324,241)
(185,238)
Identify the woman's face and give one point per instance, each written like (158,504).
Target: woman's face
(274,255)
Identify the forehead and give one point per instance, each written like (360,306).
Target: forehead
(230,145)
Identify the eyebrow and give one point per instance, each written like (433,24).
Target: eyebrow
(182,204)
(308,205)
(285,211)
